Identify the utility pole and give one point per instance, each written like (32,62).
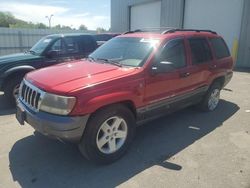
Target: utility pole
(49,19)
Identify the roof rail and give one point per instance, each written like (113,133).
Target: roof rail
(167,30)
(150,29)
(134,31)
(170,30)
(158,28)
(195,30)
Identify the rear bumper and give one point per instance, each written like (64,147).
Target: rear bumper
(228,78)
(59,127)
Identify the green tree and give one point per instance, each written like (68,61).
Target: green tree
(41,26)
(83,27)
(100,30)
(66,27)
(6,19)
(57,26)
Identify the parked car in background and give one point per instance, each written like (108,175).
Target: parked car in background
(133,78)
(50,50)
(104,37)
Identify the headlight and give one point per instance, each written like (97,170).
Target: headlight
(56,104)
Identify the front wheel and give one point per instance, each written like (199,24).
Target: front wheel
(212,98)
(108,134)
(11,90)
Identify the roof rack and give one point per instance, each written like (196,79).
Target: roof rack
(167,30)
(150,29)
(134,31)
(195,30)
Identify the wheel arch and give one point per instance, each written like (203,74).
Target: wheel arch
(127,103)
(16,71)
(220,80)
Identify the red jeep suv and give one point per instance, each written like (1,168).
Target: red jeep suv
(135,77)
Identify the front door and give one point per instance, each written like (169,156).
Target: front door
(64,49)
(55,54)
(162,87)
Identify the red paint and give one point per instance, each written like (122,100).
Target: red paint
(96,85)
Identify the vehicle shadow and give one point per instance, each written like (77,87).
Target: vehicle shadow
(36,161)
(5,107)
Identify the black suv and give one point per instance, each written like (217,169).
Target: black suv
(50,50)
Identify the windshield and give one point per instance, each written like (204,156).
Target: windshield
(128,51)
(41,45)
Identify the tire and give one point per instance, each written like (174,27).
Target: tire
(11,88)
(97,143)
(212,98)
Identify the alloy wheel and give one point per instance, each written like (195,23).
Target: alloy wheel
(112,135)
(214,99)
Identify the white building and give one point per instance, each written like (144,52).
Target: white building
(229,18)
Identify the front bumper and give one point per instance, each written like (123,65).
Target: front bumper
(65,128)
(1,84)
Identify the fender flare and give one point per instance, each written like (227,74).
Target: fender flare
(97,102)
(17,69)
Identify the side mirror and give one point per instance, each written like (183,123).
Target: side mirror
(52,53)
(162,67)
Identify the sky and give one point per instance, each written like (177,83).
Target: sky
(91,13)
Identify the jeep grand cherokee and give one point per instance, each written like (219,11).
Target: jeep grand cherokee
(133,78)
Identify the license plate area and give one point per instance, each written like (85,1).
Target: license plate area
(20,115)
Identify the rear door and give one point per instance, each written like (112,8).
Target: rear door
(87,45)
(72,48)
(201,61)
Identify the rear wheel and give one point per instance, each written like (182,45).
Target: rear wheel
(212,98)
(108,134)
(11,89)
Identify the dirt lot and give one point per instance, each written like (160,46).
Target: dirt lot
(185,149)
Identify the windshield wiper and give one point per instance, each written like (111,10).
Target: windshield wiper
(110,61)
(91,58)
(32,52)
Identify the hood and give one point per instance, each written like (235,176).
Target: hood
(71,76)
(17,57)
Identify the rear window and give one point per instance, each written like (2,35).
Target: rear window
(220,48)
(200,50)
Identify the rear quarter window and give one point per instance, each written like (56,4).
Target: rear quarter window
(220,48)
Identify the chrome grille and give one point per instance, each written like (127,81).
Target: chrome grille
(30,95)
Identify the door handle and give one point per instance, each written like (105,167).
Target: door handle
(185,74)
(213,66)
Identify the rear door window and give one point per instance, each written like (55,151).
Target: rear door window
(88,44)
(220,48)
(201,52)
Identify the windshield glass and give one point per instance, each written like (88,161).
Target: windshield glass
(41,45)
(128,51)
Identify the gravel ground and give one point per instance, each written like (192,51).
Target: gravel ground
(185,149)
